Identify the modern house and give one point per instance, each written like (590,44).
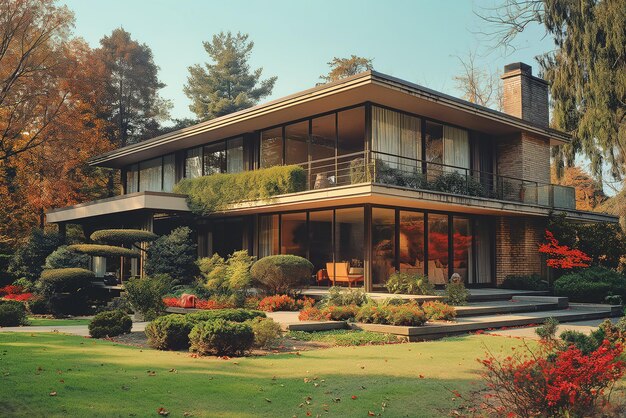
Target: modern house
(398,178)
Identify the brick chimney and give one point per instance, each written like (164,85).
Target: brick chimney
(524,95)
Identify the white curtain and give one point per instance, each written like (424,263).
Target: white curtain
(483,238)
(193,163)
(150,173)
(456,150)
(386,134)
(169,173)
(268,235)
(131,179)
(234,155)
(410,141)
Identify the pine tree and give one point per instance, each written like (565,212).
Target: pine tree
(345,67)
(226,85)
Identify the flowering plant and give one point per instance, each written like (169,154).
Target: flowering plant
(11,290)
(284,303)
(22,297)
(562,256)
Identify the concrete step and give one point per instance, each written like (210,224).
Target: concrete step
(491,294)
(504,307)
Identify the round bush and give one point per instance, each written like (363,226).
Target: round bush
(234,315)
(63,258)
(123,236)
(266,332)
(38,306)
(281,273)
(169,332)
(65,280)
(223,338)
(99,250)
(436,310)
(110,324)
(591,285)
(12,314)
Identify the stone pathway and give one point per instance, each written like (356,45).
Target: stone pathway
(529,332)
(81,330)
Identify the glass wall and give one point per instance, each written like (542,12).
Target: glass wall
(193,163)
(293,234)
(397,134)
(321,239)
(484,233)
(271,147)
(383,244)
(411,242)
(132,179)
(155,175)
(214,158)
(150,175)
(462,248)
(234,155)
(350,238)
(297,143)
(268,235)
(438,248)
(169,172)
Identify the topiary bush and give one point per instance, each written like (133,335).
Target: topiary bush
(208,194)
(64,280)
(169,332)
(63,257)
(123,236)
(146,295)
(524,282)
(267,333)
(12,314)
(175,255)
(234,315)
(409,284)
(110,324)
(591,285)
(281,273)
(222,338)
(101,250)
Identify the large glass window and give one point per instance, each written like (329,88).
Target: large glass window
(411,242)
(150,175)
(350,238)
(169,173)
(321,239)
(322,146)
(271,147)
(483,242)
(193,163)
(397,134)
(438,248)
(297,143)
(234,155)
(462,247)
(383,244)
(214,158)
(293,234)
(132,182)
(351,131)
(268,235)
(456,149)
(434,148)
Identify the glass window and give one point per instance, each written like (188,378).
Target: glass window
(169,172)
(214,158)
(350,239)
(397,134)
(296,143)
(456,149)
(321,240)
(150,175)
(271,147)
(227,236)
(437,248)
(411,242)
(383,245)
(131,179)
(322,147)
(234,156)
(434,148)
(462,247)
(484,236)
(293,234)
(268,235)
(351,131)
(193,163)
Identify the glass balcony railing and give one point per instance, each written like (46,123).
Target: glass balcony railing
(394,170)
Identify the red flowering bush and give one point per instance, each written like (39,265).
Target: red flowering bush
(23,297)
(311,313)
(284,303)
(409,314)
(212,304)
(172,302)
(436,310)
(11,290)
(564,382)
(562,256)
(340,313)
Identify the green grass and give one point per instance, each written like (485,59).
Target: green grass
(344,337)
(43,322)
(101,378)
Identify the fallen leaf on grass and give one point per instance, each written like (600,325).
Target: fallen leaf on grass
(268,400)
(353,397)
(162,411)
(53,394)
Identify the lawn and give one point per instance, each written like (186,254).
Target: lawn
(100,378)
(43,322)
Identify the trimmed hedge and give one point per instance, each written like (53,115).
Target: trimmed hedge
(223,338)
(12,314)
(529,282)
(123,236)
(169,332)
(235,315)
(100,250)
(591,285)
(110,324)
(208,194)
(281,273)
(65,280)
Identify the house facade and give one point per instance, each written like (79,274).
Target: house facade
(398,178)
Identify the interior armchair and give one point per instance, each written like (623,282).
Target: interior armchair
(342,273)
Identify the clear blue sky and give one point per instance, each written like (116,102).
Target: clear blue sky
(415,40)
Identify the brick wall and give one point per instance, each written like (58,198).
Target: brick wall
(517,242)
(525,95)
(525,156)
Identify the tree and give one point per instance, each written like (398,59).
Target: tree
(589,192)
(586,71)
(174,255)
(132,85)
(478,85)
(227,85)
(345,67)
(29,259)
(562,256)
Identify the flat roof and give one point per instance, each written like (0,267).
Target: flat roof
(369,86)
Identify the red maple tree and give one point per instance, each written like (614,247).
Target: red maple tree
(562,256)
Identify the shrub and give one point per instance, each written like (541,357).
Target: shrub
(234,315)
(110,324)
(408,315)
(12,314)
(215,192)
(524,282)
(29,259)
(311,313)
(38,306)
(220,337)
(278,303)
(409,284)
(173,254)
(25,284)
(169,332)
(338,296)
(340,313)
(591,285)
(436,310)
(100,250)
(281,273)
(458,184)
(455,293)
(372,314)
(267,333)
(62,257)
(146,295)
(585,343)
(547,332)
(123,236)
(232,274)
(66,280)
(11,289)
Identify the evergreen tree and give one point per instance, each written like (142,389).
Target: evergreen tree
(345,67)
(226,85)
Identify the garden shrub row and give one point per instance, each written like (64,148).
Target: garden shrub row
(208,194)
(524,282)
(591,285)
(408,314)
